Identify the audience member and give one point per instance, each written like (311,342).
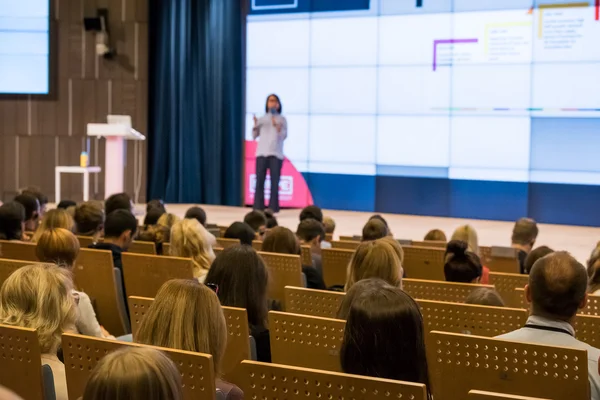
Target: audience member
(593,270)
(151,231)
(258,222)
(312,233)
(312,212)
(376,259)
(282,240)
(54,219)
(197,213)
(485,297)
(166,222)
(384,337)
(523,238)
(461,265)
(329,224)
(89,219)
(12,221)
(187,315)
(119,201)
(188,239)
(241,231)
(242,278)
(156,204)
(39,195)
(435,235)
(153,215)
(271,220)
(134,373)
(374,229)
(64,204)
(380,218)
(119,231)
(61,247)
(556,291)
(366,286)
(32,210)
(40,297)
(535,255)
(467,234)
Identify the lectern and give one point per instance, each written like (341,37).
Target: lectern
(116,131)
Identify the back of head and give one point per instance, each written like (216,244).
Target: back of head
(461,265)
(435,235)
(197,213)
(54,219)
(467,234)
(257,220)
(329,224)
(242,278)
(134,373)
(366,286)
(153,215)
(40,297)
(593,270)
(525,232)
(485,297)
(374,229)
(376,259)
(313,212)
(271,220)
(119,222)
(31,204)
(380,218)
(12,217)
(185,315)
(557,284)
(119,201)
(281,240)
(384,337)
(241,231)
(89,218)
(156,204)
(535,255)
(38,194)
(58,246)
(189,240)
(64,204)
(311,229)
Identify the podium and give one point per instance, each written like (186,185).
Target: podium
(115,131)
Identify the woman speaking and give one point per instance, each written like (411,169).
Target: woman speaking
(272,129)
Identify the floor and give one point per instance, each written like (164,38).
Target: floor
(579,241)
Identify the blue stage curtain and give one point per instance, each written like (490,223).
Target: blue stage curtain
(196,91)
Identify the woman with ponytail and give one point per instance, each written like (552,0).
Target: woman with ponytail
(461,265)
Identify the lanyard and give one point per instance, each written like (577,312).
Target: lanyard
(548,328)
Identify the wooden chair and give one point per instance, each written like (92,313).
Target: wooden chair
(95,274)
(481,395)
(592,307)
(460,363)
(138,306)
(82,353)
(353,238)
(345,244)
(141,247)
(271,381)
(440,291)
(328,237)
(505,285)
(222,230)
(217,250)
(7,267)
(17,251)
(436,244)
(226,243)
(145,274)
(335,265)
(166,249)
(257,245)
(284,270)
(306,255)
(485,255)
(587,329)
(303,341)
(316,303)
(504,259)
(85,241)
(424,263)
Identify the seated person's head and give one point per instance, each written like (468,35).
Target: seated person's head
(119,201)
(54,219)
(189,239)
(241,231)
(467,234)
(485,297)
(89,218)
(64,204)
(40,297)
(281,240)
(435,235)
(311,232)
(380,218)
(120,228)
(41,197)
(461,265)
(32,210)
(593,270)
(257,221)
(186,315)
(12,221)
(198,213)
(361,287)
(374,229)
(134,373)
(156,204)
(535,255)
(384,337)
(557,286)
(271,220)
(313,212)
(376,259)
(242,278)
(166,221)
(57,246)
(525,233)
(153,215)
(329,224)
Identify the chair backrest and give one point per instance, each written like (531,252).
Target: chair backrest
(222,230)
(94,274)
(257,245)
(265,380)
(17,250)
(424,263)
(504,259)
(441,291)
(316,303)
(21,367)
(345,244)
(335,265)
(481,395)
(142,247)
(218,250)
(166,249)
(284,270)
(306,255)
(592,307)
(85,241)
(587,329)
(329,237)
(485,254)
(305,341)
(460,363)
(145,274)
(138,306)
(436,244)
(7,267)
(226,243)
(82,353)
(505,285)
(353,238)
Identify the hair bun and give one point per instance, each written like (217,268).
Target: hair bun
(457,247)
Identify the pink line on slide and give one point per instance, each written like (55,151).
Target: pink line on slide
(449,41)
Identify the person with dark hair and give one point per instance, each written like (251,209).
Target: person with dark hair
(257,221)
(523,238)
(64,204)
(282,240)
(312,233)
(384,337)
(461,265)
(32,210)
(151,231)
(12,221)
(365,286)
(242,278)
(156,204)
(311,212)
(197,213)
(271,220)
(119,201)
(241,231)
(119,231)
(535,255)
(153,215)
(89,218)
(37,193)
(556,292)
(272,130)
(485,297)
(374,229)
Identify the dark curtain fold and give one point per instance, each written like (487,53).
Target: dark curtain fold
(196,123)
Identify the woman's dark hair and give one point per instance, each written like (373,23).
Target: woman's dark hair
(241,231)
(280,110)
(271,220)
(384,337)
(461,265)
(153,214)
(31,205)
(197,213)
(366,287)
(281,240)
(64,204)
(242,278)
(156,204)
(12,216)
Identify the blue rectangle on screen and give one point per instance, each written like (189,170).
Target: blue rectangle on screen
(342,192)
(399,7)
(305,6)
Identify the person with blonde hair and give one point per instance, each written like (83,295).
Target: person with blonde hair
(40,297)
(134,373)
(189,239)
(54,219)
(187,315)
(61,247)
(380,258)
(165,224)
(468,234)
(435,235)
